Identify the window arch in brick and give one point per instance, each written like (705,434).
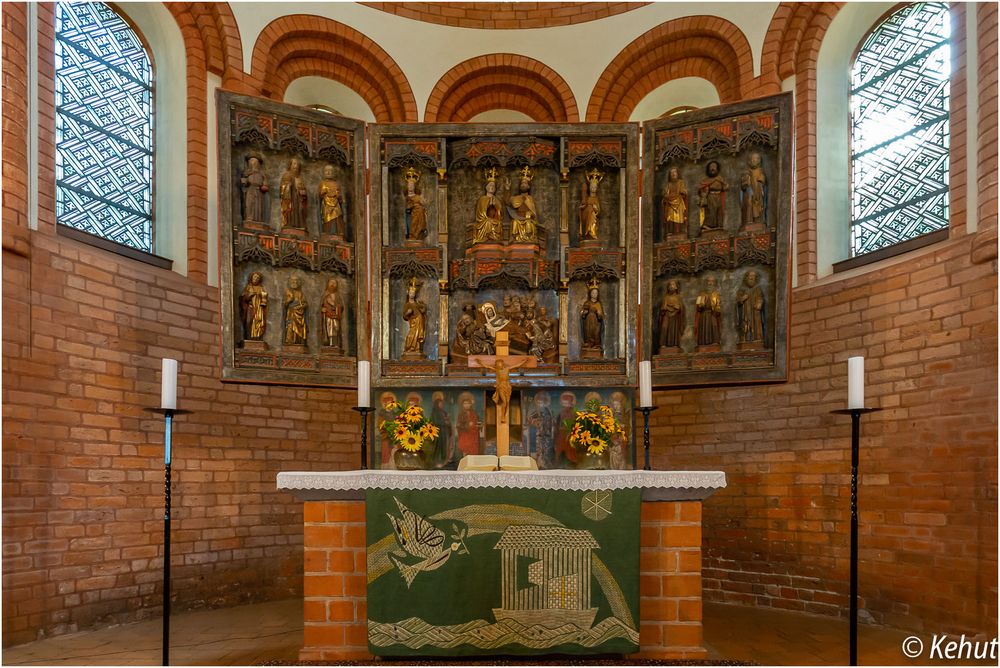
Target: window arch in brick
(104,126)
(900,129)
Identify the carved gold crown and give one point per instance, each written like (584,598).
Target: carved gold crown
(411,174)
(594,283)
(595,175)
(526,173)
(490,174)
(415,284)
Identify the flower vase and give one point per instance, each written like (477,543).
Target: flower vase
(589,462)
(408,461)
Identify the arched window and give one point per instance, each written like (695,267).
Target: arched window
(899,129)
(104,126)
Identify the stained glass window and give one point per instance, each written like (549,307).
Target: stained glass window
(899,124)
(104,126)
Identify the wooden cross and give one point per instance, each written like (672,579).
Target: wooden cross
(501,364)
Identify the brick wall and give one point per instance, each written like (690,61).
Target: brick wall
(670,581)
(83,463)
(335,589)
(778,534)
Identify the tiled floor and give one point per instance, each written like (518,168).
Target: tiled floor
(253,634)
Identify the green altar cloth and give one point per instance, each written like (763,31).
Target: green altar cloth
(490,571)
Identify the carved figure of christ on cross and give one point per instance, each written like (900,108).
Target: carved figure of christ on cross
(502,364)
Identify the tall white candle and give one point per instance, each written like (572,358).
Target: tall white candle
(646,384)
(364,383)
(168,384)
(856,382)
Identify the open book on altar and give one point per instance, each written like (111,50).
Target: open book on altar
(494,463)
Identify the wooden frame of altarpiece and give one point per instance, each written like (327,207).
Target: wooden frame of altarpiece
(449,164)
(716,276)
(453,164)
(258,342)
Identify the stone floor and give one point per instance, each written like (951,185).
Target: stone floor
(253,634)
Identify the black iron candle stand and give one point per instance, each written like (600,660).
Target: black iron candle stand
(364,411)
(645,410)
(855,414)
(168,416)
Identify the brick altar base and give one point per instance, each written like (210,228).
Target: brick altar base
(336,611)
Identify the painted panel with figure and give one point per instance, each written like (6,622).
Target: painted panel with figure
(716,276)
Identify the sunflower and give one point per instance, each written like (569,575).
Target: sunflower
(429,432)
(401,432)
(596,447)
(411,442)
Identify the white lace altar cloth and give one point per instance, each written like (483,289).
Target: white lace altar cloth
(655,485)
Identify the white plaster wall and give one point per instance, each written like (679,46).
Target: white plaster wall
(579,53)
(692,91)
(501,116)
(306,91)
(160,29)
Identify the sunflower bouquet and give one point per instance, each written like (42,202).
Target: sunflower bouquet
(408,428)
(592,429)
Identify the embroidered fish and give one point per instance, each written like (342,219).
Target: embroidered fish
(419,538)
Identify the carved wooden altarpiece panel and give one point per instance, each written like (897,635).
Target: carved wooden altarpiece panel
(717,201)
(294,259)
(526,229)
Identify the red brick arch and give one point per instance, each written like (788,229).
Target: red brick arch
(301,45)
(505,15)
(795,31)
(212,44)
(501,81)
(791,47)
(701,46)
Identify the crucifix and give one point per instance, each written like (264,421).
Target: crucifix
(502,364)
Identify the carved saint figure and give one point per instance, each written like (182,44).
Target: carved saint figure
(333,203)
(467,425)
(415,315)
(674,203)
(540,334)
(295,313)
(488,225)
(416,212)
(471,337)
(333,312)
(753,192)
(750,310)
(590,206)
(254,183)
(294,199)
(671,317)
(708,316)
(253,307)
(712,197)
(592,322)
(521,207)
